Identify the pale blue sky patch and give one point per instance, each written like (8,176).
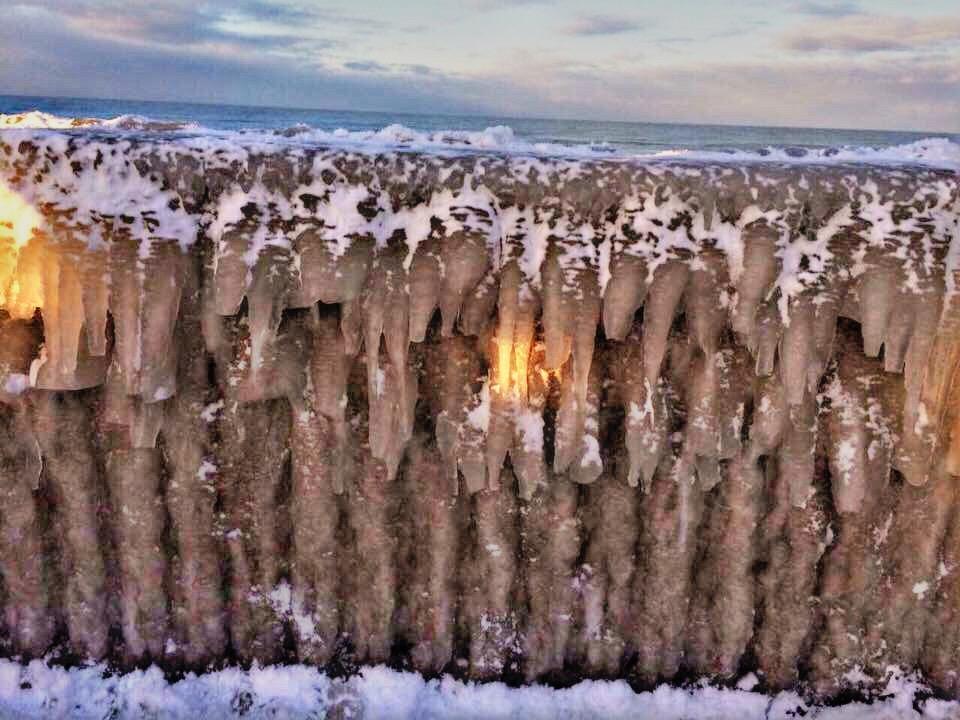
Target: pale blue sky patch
(848,63)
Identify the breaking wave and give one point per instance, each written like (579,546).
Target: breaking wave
(942,152)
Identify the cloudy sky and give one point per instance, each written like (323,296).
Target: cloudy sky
(886,64)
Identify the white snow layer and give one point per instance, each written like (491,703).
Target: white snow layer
(39,690)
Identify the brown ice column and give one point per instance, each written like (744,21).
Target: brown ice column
(429,560)
(198,615)
(489,571)
(941,652)
(138,520)
(722,596)
(792,542)
(27,613)
(317,466)
(253,455)
(63,428)
(721,619)
(670,517)
(611,526)
(550,542)
(856,578)
(371,567)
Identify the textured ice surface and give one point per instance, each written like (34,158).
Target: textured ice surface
(501,415)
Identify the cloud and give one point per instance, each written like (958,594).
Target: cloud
(588,25)
(501,4)
(875,33)
(825,9)
(299,67)
(365,66)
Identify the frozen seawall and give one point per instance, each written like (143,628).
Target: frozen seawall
(492,414)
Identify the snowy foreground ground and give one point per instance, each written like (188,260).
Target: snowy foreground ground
(40,691)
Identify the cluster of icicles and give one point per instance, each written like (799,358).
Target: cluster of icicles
(222,328)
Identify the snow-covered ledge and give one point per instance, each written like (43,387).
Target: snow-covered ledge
(503,416)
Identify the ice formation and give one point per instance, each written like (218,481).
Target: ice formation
(497,415)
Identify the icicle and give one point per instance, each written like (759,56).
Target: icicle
(928,374)
(797,354)
(327,276)
(900,329)
(144,302)
(329,369)
(797,458)
(557,311)
(230,272)
(759,272)
(159,305)
(455,366)
(826,308)
(766,337)
(478,306)
(577,431)
(877,292)
(700,442)
(271,280)
(771,421)
(96,300)
(624,294)
(647,416)
(464,259)
(424,284)
(62,310)
(669,283)
(526,453)
(703,301)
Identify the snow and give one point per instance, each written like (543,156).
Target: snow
(41,690)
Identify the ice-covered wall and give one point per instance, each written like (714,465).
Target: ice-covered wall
(499,415)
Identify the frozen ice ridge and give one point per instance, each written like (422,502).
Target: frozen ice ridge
(500,415)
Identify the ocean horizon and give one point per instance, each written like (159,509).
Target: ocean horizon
(594,137)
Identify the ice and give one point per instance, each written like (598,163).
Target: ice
(760,268)
(705,310)
(327,275)
(797,453)
(284,423)
(464,259)
(27,611)
(771,419)
(877,292)
(624,294)
(134,478)
(329,368)
(267,297)
(797,354)
(663,298)
(424,288)
(557,312)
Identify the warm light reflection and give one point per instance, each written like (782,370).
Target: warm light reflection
(18,219)
(516,365)
(21,263)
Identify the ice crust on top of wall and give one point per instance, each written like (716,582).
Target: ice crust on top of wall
(312,360)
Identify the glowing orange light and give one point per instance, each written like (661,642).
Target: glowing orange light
(21,284)
(18,219)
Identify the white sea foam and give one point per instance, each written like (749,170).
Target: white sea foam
(937,152)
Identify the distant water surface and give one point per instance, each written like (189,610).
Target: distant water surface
(594,137)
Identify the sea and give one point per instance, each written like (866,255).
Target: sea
(535,135)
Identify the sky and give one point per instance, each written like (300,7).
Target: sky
(879,64)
